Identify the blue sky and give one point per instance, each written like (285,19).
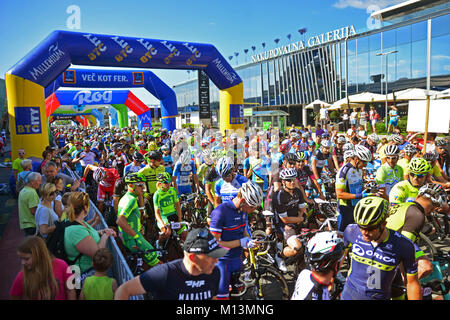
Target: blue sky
(231,26)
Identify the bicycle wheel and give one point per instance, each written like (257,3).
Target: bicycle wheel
(427,246)
(269,285)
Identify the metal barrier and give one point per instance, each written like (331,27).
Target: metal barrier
(120,269)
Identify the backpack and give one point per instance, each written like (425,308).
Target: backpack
(55,242)
(21,183)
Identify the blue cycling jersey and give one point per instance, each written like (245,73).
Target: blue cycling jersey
(226,191)
(373,268)
(183,174)
(230,223)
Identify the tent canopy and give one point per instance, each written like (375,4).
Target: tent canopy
(411,94)
(320,102)
(366,97)
(442,94)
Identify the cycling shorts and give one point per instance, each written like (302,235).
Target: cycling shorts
(393,122)
(345,217)
(227,267)
(102,191)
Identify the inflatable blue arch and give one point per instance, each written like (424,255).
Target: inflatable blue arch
(26,81)
(101,78)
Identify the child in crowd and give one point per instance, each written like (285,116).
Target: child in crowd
(100,286)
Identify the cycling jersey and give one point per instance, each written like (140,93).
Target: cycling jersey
(350,180)
(403,163)
(132,168)
(407,218)
(387,176)
(321,160)
(202,172)
(373,268)
(183,174)
(309,288)
(435,172)
(150,175)
(226,191)
(287,205)
(339,153)
(402,192)
(110,177)
(304,175)
(165,202)
(168,164)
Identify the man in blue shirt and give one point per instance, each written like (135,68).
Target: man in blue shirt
(228,186)
(184,167)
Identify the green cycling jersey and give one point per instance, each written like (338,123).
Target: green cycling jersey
(165,202)
(402,192)
(387,176)
(129,207)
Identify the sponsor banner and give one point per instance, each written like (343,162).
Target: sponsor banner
(28,120)
(203,95)
(236,114)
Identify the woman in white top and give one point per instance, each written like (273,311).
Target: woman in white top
(45,216)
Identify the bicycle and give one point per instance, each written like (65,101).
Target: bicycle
(440,225)
(108,212)
(438,282)
(259,281)
(172,245)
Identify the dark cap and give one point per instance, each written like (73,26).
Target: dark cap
(202,241)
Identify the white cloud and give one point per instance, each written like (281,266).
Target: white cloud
(364,4)
(440,57)
(447,68)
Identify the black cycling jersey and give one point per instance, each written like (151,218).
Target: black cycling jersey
(304,174)
(286,205)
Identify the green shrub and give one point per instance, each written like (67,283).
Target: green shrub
(335,115)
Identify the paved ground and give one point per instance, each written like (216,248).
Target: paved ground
(10,234)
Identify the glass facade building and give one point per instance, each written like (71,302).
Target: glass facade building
(335,69)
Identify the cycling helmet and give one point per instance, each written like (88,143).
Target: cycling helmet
(431,156)
(165,147)
(301,155)
(164,177)
(295,135)
(311,143)
(305,135)
(133,177)
(374,137)
(185,157)
(117,146)
(141,143)
(392,150)
(419,166)
(138,157)
(212,175)
(206,155)
(252,193)
(283,147)
(99,174)
(289,157)
(348,146)
(225,166)
(288,173)
(370,211)
(205,143)
(439,142)
(341,140)
(433,191)
(324,250)
(410,149)
(325,144)
(349,154)
(370,185)
(363,153)
(325,135)
(397,138)
(154,155)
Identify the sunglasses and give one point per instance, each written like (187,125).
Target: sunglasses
(418,175)
(53,193)
(289,180)
(371,228)
(391,158)
(292,163)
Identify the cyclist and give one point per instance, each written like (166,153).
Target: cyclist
(407,190)
(435,173)
(376,252)
(228,225)
(371,143)
(136,165)
(167,208)
(289,211)
(322,255)
(120,159)
(167,158)
(141,145)
(306,178)
(106,179)
(129,219)
(349,185)
(409,218)
(444,158)
(338,152)
(184,168)
(257,168)
(409,151)
(389,173)
(322,158)
(229,184)
(208,163)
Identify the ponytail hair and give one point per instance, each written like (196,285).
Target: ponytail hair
(78,203)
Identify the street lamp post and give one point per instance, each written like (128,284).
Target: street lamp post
(386,79)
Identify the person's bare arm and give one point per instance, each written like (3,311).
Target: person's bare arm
(130,288)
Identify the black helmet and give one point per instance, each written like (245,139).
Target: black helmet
(138,157)
(117,146)
(291,157)
(154,155)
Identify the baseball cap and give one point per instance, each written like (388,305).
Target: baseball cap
(200,241)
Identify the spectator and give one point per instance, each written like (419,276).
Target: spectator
(363,118)
(57,203)
(100,286)
(351,132)
(373,117)
(45,216)
(16,167)
(354,117)
(22,177)
(28,202)
(65,200)
(345,120)
(323,116)
(81,241)
(42,277)
(47,156)
(51,171)
(361,133)
(319,131)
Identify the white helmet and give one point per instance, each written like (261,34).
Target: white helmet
(341,139)
(252,193)
(392,150)
(225,166)
(374,137)
(435,192)
(206,155)
(349,154)
(324,250)
(363,153)
(325,144)
(397,138)
(348,146)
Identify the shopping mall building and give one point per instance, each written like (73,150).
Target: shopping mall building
(280,82)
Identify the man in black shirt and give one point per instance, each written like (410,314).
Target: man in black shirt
(195,277)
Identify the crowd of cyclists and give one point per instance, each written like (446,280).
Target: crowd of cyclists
(384,189)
